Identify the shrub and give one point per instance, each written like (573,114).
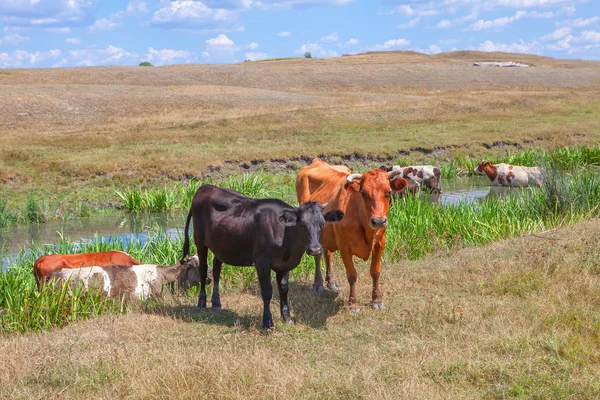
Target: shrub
(146,64)
(308,54)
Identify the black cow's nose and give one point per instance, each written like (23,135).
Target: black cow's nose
(314,251)
(378,222)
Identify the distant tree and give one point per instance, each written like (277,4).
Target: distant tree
(307,55)
(146,64)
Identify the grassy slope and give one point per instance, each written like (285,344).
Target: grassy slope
(517,318)
(79,133)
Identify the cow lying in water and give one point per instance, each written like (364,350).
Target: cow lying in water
(141,281)
(50,263)
(511,175)
(266,233)
(424,176)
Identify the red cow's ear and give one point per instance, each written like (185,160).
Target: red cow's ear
(353,187)
(398,184)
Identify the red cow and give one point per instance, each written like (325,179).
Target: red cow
(47,264)
(365,201)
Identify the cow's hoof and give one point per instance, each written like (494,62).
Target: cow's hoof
(354,310)
(216,309)
(318,288)
(290,321)
(378,306)
(200,309)
(333,286)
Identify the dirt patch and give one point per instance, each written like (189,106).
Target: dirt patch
(354,161)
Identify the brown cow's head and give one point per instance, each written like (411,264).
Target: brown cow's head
(375,188)
(487,168)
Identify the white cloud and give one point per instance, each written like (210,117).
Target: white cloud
(14,39)
(591,36)
(432,49)
(284,34)
(46,12)
(253,56)
(427,10)
(520,47)
(221,41)
(497,23)
(195,15)
(391,44)
(334,37)
(579,22)
(451,23)
(495,4)
(449,41)
(111,55)
(557,34)
(22,58)
(410,24)
(348,43)
(297,4)
(562,45)
(104,24)
(73,41)
(253,46)
(63,30)
(134,8)
(316,50)
(169,56)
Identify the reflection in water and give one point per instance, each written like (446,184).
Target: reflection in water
(127,227)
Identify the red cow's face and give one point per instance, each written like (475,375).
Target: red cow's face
(375,188)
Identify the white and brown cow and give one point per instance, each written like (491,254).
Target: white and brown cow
(139,281)
(426,176)
(511,175)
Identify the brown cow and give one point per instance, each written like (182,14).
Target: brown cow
(47,264)
(365,201)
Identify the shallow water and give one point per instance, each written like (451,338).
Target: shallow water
(126,227)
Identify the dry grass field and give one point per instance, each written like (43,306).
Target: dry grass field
(515,319)
(74,134)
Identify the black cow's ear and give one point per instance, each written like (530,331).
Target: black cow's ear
(334,216)
(288,218)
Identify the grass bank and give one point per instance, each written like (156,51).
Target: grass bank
(417,227)
(513,319)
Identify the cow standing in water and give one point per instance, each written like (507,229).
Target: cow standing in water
(266,233)
(365,201)
(511,175)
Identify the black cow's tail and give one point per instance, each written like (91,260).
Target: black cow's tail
(186,240)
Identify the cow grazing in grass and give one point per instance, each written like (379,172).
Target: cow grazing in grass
(47,264)
(365,201)
(266,233)
(425,176)
(511,175)
(140,281)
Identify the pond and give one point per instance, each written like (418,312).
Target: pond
(126,227)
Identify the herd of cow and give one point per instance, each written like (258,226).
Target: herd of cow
(339,211)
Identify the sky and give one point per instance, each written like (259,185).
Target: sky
(67,33)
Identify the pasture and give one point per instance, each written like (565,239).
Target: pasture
(493,298)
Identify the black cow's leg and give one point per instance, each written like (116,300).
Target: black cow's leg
(318,284)
(216,298)
(282,284)
(263,270)
(202,254)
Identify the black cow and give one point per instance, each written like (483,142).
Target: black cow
(266,233)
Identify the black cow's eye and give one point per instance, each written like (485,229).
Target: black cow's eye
(388,194)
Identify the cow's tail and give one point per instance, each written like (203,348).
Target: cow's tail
(186,240)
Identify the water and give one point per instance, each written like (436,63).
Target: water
(127,227)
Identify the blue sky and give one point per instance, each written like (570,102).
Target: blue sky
(61,33)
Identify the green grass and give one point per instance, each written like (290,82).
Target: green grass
(417,227)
